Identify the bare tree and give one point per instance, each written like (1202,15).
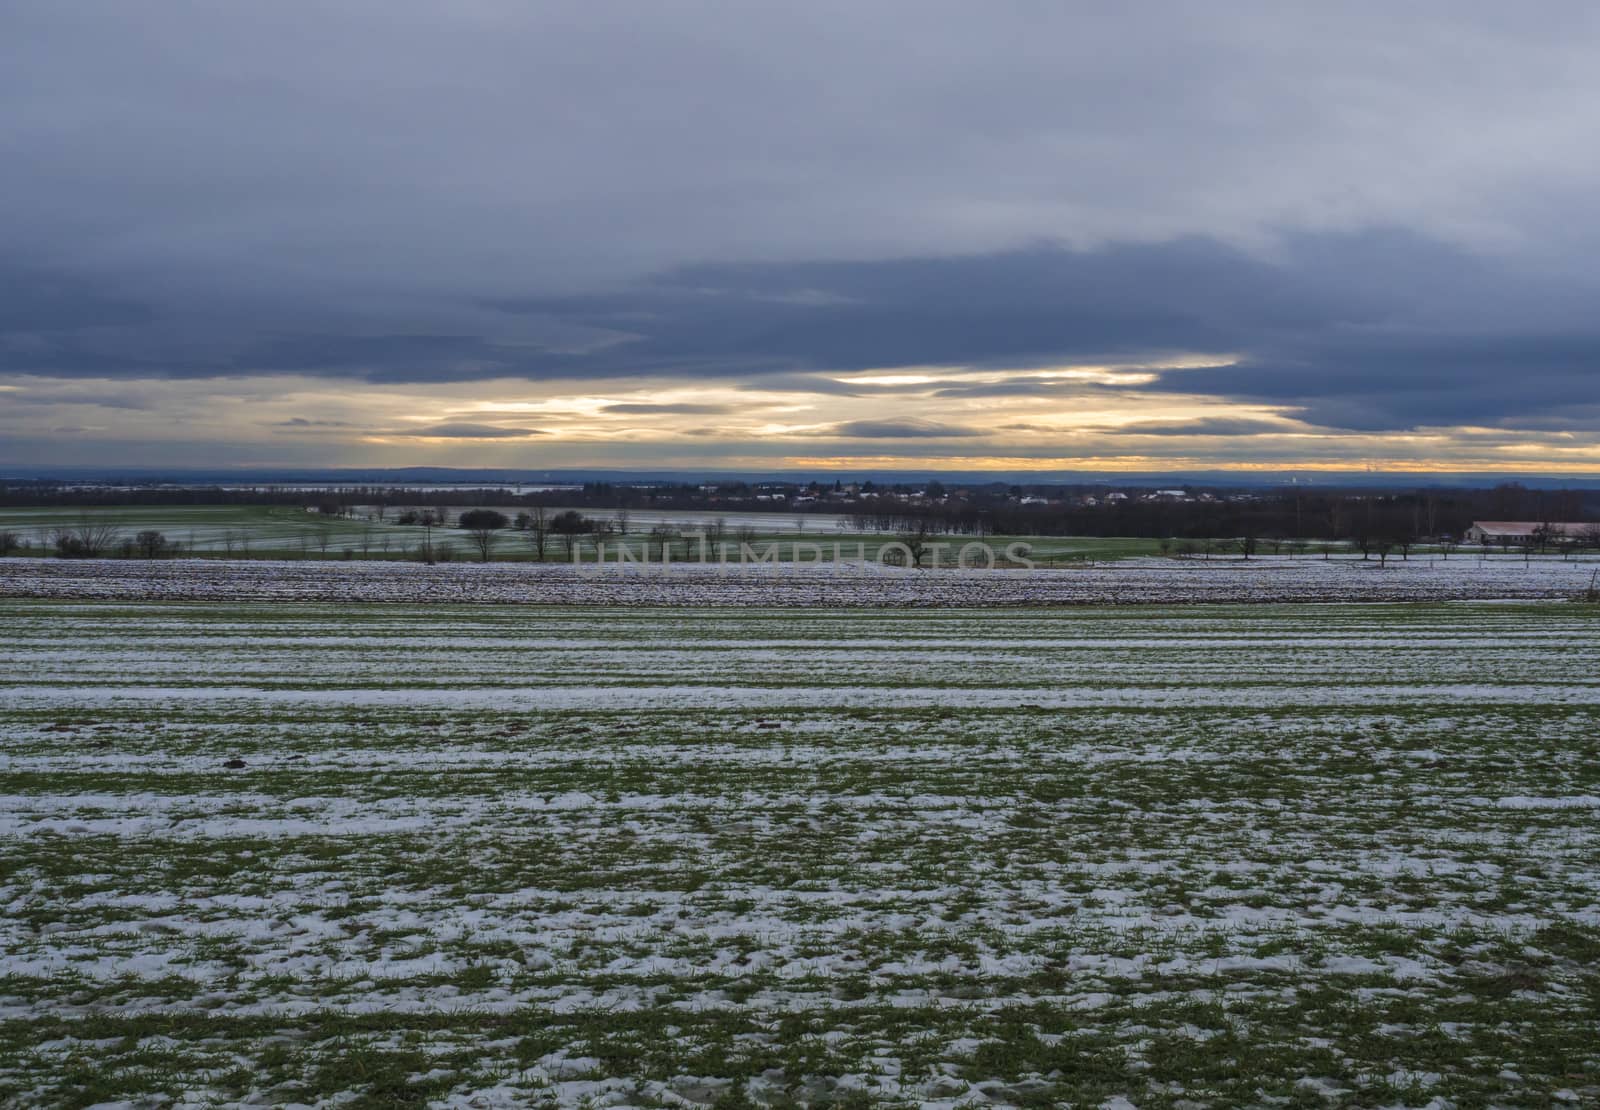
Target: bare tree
(916,542)
(716,532)
(569,525)
(151,544)
(663,536)
(538,529)
(624,519)
(483,529)
(9,542)
(484,540)
(90,539)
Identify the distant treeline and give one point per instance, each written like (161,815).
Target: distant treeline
(992,508)
(1293,514)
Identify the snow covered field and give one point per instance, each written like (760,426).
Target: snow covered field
(287,852)
(1130,581)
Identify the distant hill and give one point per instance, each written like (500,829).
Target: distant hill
(411,475)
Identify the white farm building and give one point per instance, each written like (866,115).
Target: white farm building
(1518,531)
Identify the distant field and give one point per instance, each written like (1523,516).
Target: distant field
(492,856)
(1125,582)
(290,532)
(217,529)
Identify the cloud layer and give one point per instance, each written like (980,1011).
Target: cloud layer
(1062,229)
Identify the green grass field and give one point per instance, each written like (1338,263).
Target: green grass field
(474,856)
(258,531)
(215,529)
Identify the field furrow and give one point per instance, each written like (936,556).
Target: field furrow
(483,855)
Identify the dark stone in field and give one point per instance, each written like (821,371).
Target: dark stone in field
(1024,1093)
(817,1087)
(695,1089)
(234,764)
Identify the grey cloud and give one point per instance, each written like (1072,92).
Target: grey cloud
(762,195)
(641,409)
(1010,308)
(898,429)
(782,382)
(1396,379)
(1055,388)
(463,431)
(1205,427)
(1375,331)
(36,298)
(83,394)
(617,146)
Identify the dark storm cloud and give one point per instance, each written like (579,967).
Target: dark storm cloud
(1008,308)
(1405,379)
(1377,331)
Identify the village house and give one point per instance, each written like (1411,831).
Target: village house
(1521,531)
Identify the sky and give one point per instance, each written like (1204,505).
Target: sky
(1022,236)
